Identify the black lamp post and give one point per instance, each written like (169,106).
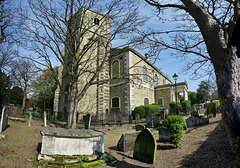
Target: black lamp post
(175,77)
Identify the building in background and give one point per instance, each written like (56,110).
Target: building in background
(130,79)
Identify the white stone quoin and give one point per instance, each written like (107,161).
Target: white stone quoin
(60,141)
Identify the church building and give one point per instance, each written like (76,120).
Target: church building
(132,80)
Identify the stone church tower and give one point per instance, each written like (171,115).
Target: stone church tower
(126,80)
(95,29)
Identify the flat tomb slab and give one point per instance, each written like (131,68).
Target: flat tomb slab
(61,141)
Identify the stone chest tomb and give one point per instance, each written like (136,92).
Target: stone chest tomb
(60,141)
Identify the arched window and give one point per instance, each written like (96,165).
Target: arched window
(145,73)
(156,79)
(115,102)
(115,68)
(160,101)
(163,81)
(146,101)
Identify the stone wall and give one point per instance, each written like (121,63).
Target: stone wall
(165,94)
(14,110)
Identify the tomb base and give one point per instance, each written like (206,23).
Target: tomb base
(61,141)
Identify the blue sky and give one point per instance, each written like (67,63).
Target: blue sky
(167,63)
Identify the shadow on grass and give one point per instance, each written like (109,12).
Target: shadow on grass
(39,147)
(123,164)
(214,152)
(114,148)
(165,147)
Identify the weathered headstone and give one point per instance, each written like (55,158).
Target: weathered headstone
(45,119)
(195,121)
(145,147)
(149,121)
(137,118)
(87,121)
(130,119)
(202,111)
(192,121)
(140,127)
(164,134)
(30,119)
(118,118)
(113,117)
(203,121)
(127,141)
(61,141)
(156,122)
(4,120)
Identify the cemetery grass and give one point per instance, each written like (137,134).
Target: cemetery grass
(203,146)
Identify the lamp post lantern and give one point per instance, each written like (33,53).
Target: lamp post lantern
(175,77)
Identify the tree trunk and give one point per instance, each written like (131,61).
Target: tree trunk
(228,81)
(24,97)
(72,112)
(73,99)
(227,70)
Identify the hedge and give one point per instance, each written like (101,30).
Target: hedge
(216,102)
(195,114)
(185,105)
(172,106)
(138,110)
(151,109)
(175,126)
(211,108)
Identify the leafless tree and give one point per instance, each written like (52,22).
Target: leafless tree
(23,73)
(10,32)
(57,30)
(202,35)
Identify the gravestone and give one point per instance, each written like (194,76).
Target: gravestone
(195,121)
(118,118)
(130,119)
(202,111)
(145,147)
(164,113)
(140,127)
(149,121)
(156,122)
(127,141)
(164,134)
(192,121)
(113,117)
(61,141)
(30,119)
(137,118)
(45,119)
(4,120)
(87,121)
(107,119)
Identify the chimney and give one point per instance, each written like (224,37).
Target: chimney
(146,56)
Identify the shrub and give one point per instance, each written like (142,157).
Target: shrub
(36,114)
(138,110)
(151,109)
(63,119)
(172,106)
(195,114)
(216,102)
(175,126)
(211,109)
(185,105)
